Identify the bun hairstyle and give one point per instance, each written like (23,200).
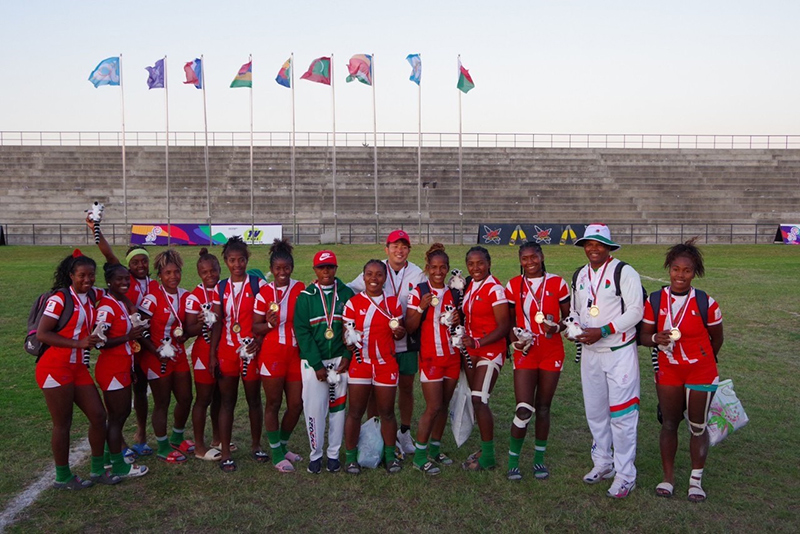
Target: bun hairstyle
(376,262)
(687,249)
(235,244)
(537,248)
(207,256)
(110,269)
(67,267)
(436,250)
(281,249)
(166,257)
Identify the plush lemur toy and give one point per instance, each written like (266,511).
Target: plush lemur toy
(525,340)
(572,332)
(333,379)
(95,212)
(136,320)
(450,318)
(167,352)
(99,331)
(457,282)
(209,318)
(353,337)
(244,355)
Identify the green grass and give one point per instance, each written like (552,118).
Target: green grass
(752,478)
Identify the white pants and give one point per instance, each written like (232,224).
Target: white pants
(316,405)
(610,383)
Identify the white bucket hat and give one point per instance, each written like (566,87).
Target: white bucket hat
(597,232)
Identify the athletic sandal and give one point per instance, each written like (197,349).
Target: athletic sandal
(284,466)
(665,489)
(442,458)
(394,467)
(129,455)
(696,494)
(260,457)
(293,457)
(428,468)
(475,465)
(136,471)
(185,447)
(218,446)
(352,468)
(106,479)
(75,483)
(175,457)
(228,466)
(211,455)
(541,471)
(474,456)
(514,474)
(142,449)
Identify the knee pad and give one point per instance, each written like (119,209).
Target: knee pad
(698,429)
(520,422)
(484,394)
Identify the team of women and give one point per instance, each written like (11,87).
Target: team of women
(337,351)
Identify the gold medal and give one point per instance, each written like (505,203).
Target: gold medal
(539,317)
(434,301)
(274,307)
(394,323)
(674,334)
(135,346)
(178,332)
(594,311)
(329,333)
(236,328)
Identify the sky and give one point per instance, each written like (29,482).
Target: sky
(566,66)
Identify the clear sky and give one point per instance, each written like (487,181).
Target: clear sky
(566,66)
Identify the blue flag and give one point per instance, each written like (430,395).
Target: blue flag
(155,77)
(106,72)
(416,67)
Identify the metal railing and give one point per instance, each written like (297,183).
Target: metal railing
(445,232)
(403,139)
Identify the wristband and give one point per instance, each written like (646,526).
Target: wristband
(477,343)
(653,339)
(605,331)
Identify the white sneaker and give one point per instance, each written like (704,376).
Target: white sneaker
(598,474)
(621,488)
(405,442)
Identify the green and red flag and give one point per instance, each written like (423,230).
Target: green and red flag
(465,83)
(244,78)
(319,71)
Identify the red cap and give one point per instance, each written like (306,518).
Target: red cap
(325,257)
(398,235)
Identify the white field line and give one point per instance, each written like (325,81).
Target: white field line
(654,279)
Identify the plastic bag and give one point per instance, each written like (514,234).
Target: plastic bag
(462,415)
(725,414)
(370,444)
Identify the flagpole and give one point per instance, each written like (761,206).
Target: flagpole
(419,159)
(205,126)
(124,177)
(166,152)
(252,194)
(333,98)
(375,151)
(294,206)
(460,177)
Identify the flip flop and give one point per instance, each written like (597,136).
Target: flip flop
(665,489)
(293,457)
(228,466)
(260,457)
(218,446)
(185,447)
(175,457)
(211,455)
(284,466)
(136,471)
(142,449)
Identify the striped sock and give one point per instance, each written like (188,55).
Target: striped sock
(163,446)
(285,440)
(421,454)
(177,436)
(274,439)
(514,450)
(540,447)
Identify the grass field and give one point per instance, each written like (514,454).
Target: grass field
(752,478)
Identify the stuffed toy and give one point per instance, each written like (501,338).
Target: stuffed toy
(244,355)
(166,352)
(525,340)
(95,212)
(136,320)
(352,337)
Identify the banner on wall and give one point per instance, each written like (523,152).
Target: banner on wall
(202,234)
(540,233)
(788,234)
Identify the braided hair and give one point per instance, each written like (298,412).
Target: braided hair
(689,250)
(281,249)
(235,244)
(535,247)
(67,266)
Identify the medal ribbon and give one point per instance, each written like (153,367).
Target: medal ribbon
(527,284)
(127,317)
(472,296)
(83,315)
(144,285)
(592,289)
(399,287)
(172,310)
(681,313)
(328,317)
(237,306)
(285,293)
(380,307)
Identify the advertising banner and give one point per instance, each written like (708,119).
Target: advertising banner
(540,233)
(199,234)
(789,234)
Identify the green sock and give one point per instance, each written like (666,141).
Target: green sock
(106,457)
(421,454)
(487,454)
(538,455)
(118,465)
(285,440)
(63,474)
(514,448)
(351,455)
(278,454)
(388,454)
(98,467)
(177,436)
(434,448)
(163,446)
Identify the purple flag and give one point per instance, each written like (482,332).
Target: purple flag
(155,78)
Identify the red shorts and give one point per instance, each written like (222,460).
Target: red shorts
(539,359)
(113,372)
(702,373)
(51,373)
(280,361)
(437,368)
(368,374)
(230,364)
(151,365)
(202,373)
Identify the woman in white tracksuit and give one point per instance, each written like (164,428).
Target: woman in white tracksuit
(609,361)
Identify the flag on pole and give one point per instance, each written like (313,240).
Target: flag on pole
(106,72)
(360,68)
(416,67)
(465,83)
(155,77)
(319,71)
(245,76)
(194,73)
(284,77)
